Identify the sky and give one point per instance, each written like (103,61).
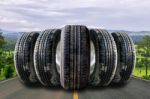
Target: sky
(35,15)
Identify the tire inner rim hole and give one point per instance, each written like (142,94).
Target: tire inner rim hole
(92,57)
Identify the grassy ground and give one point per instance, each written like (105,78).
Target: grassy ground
(140,72)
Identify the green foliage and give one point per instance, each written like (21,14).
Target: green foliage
(2,74)
(9,45)
(146,77)
(2,41)
(7,69)
(143,58)
(140,71)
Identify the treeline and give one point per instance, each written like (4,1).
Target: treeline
(7,69)
(143,58)
(9,45)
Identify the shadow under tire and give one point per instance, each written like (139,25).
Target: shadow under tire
(23,58)
(126,57)
(75,57)
(45,57)
(106,57)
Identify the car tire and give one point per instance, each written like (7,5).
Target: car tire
(106,57)
(44,57)
(23,58)
(126,57)
(75,57)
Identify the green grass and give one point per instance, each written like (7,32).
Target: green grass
(140,72)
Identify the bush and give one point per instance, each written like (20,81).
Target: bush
(146,77)
(7,69)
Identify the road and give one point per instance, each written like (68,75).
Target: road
(135,89)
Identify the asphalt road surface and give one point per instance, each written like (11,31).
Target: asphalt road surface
(135,89)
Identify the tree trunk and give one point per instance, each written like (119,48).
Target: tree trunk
(146,69)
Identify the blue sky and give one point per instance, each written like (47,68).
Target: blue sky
(28,15)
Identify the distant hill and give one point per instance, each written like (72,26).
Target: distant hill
(136,35)
(12,36)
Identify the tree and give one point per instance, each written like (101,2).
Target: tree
(145,53)
(2,40)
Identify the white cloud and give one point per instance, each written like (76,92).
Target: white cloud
(29,29)
(15,2)
(4,20)
(41,14)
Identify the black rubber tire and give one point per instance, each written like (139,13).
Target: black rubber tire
(106,57)
(23,58)
(44,57)
(75,53)
(126,57)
